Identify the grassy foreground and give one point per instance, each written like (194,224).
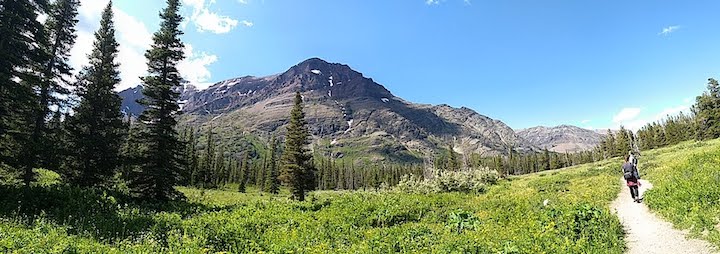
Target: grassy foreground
(509,218)
(686,180)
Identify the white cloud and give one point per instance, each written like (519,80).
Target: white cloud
(635,125)
(243,1)
(134,39)
(195,67)
(626,114)
(685,109)
(629,117)
(212,22)
(205,20)
(247,23)
(584,121)
(438,2)
(668,30)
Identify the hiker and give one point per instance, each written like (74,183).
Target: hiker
(631,175)
(634,160)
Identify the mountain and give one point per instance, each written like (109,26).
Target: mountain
(129,105)
(563,138)
(348,115)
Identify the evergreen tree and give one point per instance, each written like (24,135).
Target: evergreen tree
(161,162)
(297,170)
(271,176)
(97,128)
(57,136)
(131,150)
(244,174)
(341,178)
(219,168)
(453,163)
(21,55)
(546,160)
(60,37)
(659,135)
(622,143)
(328,182)
(191,158)
(707,110)
(609,145)
(206,167)
(555,161)
(261,173)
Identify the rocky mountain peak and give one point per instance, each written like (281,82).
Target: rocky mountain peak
(345,109)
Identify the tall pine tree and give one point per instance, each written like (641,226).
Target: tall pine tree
(21,37)
(161,162)
(271,175)
(60,37)
(206,167)
(297,169)
(97,128)
(191,157)
(244,174)
(622,142)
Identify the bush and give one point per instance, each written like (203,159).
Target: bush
(46,178)
(467,181)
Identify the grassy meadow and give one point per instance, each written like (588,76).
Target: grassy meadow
(686,192)
(509,218)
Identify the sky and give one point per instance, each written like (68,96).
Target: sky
(594,64)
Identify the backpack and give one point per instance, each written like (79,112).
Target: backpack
(628,173)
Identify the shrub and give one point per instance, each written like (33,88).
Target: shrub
(467,181)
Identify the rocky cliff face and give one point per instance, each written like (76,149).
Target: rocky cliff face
(348,111)
(562,138)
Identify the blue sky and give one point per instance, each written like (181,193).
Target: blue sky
(594,64)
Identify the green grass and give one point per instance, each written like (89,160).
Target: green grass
(509,218)
(686,180)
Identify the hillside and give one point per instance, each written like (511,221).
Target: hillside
(562,139)
(348,114)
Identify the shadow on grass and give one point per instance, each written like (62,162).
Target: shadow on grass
(106,216)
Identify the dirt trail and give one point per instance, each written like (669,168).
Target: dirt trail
(647,233)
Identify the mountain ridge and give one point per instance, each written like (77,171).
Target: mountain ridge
(562,138)
(347,113)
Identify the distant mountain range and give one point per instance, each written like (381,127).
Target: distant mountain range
(351,115)
(562,139)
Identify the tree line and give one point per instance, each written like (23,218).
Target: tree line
(701,123)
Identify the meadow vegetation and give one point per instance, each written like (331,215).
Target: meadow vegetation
(509,217)
(686,180)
